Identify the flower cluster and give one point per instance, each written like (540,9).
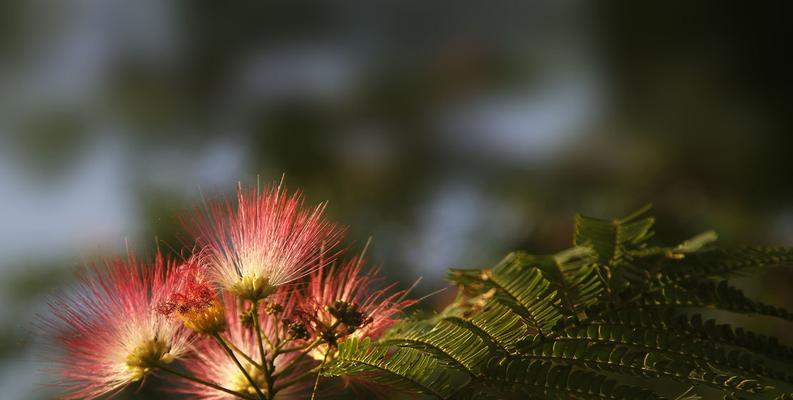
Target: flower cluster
(253,313)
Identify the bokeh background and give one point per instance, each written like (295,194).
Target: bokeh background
(451,133)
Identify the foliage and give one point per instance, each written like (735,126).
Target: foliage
(613,317)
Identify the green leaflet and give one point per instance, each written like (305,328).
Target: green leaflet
(709,294)
(501,324)
(693,245)
(667,319)
(615,242)
(460,346)
(690,350)
(612,239)
(529,288)
(594,348)
(721,263)
(403,368)
(545,380)
(573,274)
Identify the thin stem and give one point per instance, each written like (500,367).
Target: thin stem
(319,373)
(281,344)
(242,353)
(308,350)
(300,356)
(284,350)
(203,382)
(255,312)
(230,352)
(277,324)
(268,371)
(298,378)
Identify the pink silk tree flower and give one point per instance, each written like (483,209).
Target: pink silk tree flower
(109,331)
(196,302)
(265,240)
(211,363)
(344,301)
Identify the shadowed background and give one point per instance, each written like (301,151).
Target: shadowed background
(450,132)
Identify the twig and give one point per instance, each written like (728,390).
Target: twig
(230,352)
(203,382)
(319,373)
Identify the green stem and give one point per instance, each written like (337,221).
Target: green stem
(203,382)
(292,363)
(230,352)
(319,374)
(298,378)
(309,348)
(282,350)
(255,313)
(268,371)
(277,324)
(242,353)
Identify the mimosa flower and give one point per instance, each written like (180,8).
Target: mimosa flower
(211,362)
(109,329)
(196,302)
(264,241)
(344,301)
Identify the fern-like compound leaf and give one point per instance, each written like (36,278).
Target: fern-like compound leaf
(459,346)
(529,288)
(404,368)
(541,379)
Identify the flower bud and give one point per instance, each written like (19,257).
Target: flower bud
(297,330)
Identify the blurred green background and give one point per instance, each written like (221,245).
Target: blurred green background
(450,132)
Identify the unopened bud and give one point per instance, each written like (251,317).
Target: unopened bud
(272,308)
(297,330)
(246,319)
(348,314)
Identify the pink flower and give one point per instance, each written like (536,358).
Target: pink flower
(109,329)
(196,302)
(267,240)
(352,301)
(211,363)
